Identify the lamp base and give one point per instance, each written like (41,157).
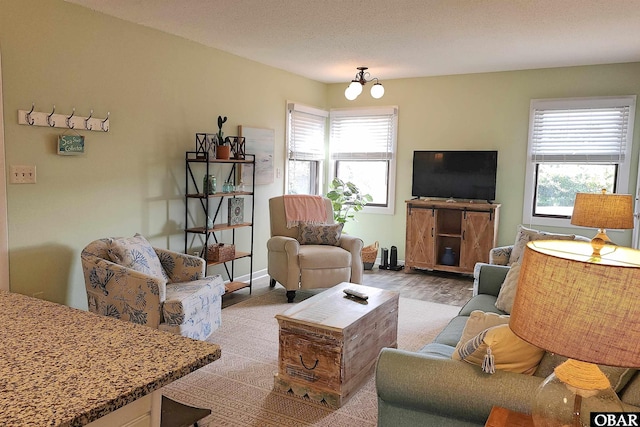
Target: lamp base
(598,241)
(569,395)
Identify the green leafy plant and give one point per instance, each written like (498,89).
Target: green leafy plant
(346,200)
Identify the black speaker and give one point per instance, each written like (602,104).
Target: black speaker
(385,258)
(393,260)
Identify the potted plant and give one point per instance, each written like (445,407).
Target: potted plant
(223,150)
(346,200)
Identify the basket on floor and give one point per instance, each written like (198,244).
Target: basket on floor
(369,255)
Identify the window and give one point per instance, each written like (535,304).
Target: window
(362,146)
(575,145)
(305,148)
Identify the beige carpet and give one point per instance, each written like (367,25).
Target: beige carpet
(238,386)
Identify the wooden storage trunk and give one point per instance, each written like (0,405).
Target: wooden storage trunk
(329,343)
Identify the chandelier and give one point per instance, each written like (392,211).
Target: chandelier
(362,78)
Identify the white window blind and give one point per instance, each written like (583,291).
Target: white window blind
(597,134)
(307,133)
(363,134)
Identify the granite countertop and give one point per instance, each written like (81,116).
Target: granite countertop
(60,366)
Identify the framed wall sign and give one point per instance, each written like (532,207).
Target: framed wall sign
(70,145)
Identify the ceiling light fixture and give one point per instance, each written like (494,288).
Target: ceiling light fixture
(363,77)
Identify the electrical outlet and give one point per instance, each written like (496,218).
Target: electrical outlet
(22,174)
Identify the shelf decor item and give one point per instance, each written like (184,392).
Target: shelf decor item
(220,252)
(228,187)
(237,147)
(209,184)
(236,211)
(206,144)
(448,257)
(223,149)
(223,152)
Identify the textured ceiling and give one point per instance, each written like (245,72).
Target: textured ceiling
(326,40)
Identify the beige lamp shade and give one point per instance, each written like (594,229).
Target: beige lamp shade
(576,305)
(603,210)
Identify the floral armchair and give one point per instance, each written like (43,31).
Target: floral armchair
(128,279)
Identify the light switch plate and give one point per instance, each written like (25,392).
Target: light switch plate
(22,174)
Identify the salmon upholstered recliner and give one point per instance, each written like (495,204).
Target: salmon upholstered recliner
(319,257)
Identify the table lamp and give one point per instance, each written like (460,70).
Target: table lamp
(602,211)
(573,304)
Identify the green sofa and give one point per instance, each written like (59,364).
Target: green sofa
(428,388)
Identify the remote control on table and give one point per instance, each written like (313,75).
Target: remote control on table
(354,293)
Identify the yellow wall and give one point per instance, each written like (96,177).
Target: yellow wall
(161,89)
(483,111)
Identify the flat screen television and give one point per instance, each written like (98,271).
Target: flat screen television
(455,174)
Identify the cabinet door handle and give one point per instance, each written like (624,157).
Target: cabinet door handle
(463,231)
(431,231)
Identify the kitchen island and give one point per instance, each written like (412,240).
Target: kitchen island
(61,366)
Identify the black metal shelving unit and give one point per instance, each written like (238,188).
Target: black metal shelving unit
(201,163)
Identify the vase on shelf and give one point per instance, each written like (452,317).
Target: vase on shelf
(448,257)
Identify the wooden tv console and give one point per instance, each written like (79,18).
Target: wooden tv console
(470,229)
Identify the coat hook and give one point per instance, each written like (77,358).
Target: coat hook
(69,125)
(103,122)
(31,120)
(86,121)
(49,121)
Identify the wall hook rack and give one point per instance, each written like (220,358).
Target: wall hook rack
(53,119)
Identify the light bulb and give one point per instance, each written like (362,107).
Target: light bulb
(350,94)
(356,87)
(377,90)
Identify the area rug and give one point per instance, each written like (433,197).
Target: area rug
(238,386)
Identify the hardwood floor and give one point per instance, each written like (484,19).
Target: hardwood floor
(434,286)
(440,287)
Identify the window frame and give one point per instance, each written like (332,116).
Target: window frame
(624,167)
(317,182)
(389,209)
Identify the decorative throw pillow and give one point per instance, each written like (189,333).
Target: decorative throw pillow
(323,234)
(477,322)
(499,348)
(526,235)
(136,253)
(507,293)
(618,377)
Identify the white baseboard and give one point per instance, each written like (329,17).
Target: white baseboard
(257,275)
